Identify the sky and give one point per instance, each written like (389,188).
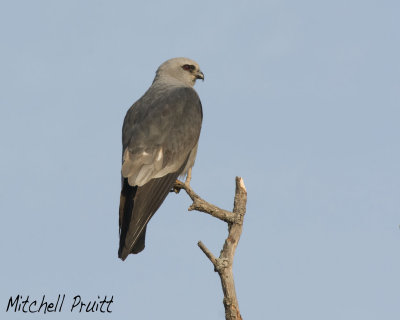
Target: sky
(300,99)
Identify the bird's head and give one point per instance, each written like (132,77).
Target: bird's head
(184,70)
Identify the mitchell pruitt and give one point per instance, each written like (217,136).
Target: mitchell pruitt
(78,305)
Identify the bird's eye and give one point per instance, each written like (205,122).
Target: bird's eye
(188,67)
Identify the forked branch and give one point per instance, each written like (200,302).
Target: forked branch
(223,264)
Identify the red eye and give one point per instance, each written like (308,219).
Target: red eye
(188,67)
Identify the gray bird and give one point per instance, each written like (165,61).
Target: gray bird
(160,136)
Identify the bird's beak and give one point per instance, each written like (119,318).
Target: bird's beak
(200,75)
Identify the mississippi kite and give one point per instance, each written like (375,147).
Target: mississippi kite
(160,135)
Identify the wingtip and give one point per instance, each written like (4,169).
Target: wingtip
(122,255)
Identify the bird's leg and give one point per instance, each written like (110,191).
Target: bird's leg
(188,177)
(176,188)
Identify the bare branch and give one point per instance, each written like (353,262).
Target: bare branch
(207,252)
(223,264)
(201,205)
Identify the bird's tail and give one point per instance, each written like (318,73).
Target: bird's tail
(125,214)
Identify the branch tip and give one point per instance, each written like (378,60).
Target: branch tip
(241,184)
(207,252)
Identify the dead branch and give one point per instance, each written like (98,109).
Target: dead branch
(223,264)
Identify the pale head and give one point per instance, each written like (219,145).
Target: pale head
(183,70)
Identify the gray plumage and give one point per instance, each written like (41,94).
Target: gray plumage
(159,138)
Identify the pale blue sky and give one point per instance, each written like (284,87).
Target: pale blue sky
(300,98)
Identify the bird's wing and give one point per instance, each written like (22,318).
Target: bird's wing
(138,205)
(158,139)
(159,132)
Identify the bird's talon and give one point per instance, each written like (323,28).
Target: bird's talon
(176,188)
